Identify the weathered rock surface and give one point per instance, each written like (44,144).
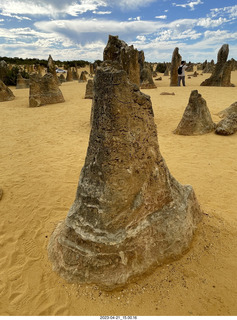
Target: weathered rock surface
(52,69)
(175,63)
(21,82)
(92,70)
(222,71)
(3,70)
(44,90)
(228,125)
(69,75)
(83,77)
(209,67)
(231,109)
(89,89)
(167,72)
(129,214)
(75,74)
(118,50)
(146,79)
(5,93)
(62,78)
(196,119)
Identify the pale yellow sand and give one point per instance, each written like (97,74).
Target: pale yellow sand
(42,153)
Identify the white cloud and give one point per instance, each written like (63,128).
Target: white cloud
(102,12)
(210,23)
(190,4)
(15,16)
(141,38)
(230,11)
(129,4)
(161,17)
(50,7)
(87,31)
(62,7)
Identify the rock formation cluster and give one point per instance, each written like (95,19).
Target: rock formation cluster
(222,72)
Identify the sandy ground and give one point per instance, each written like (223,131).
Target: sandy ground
(42,153)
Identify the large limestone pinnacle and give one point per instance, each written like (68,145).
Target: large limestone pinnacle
(221,74)
(129,214)
(175,63)
(118,50)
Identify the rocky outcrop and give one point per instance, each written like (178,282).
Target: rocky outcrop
(75,74)
(118,51)
(129,214)
(5,93)
(83,77)
(62,78)
(222,71)
(3,70)
(175,63)
(209,67)
(69,74)
(52,69)
(166,73)
(228,125)
(44,90)
(226,112)
(189,68)
(89,89)
(141,59)
(146,79)
(92,70)
(196,119)
(21,82)
(234,64)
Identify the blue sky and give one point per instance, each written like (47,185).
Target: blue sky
(79,29)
